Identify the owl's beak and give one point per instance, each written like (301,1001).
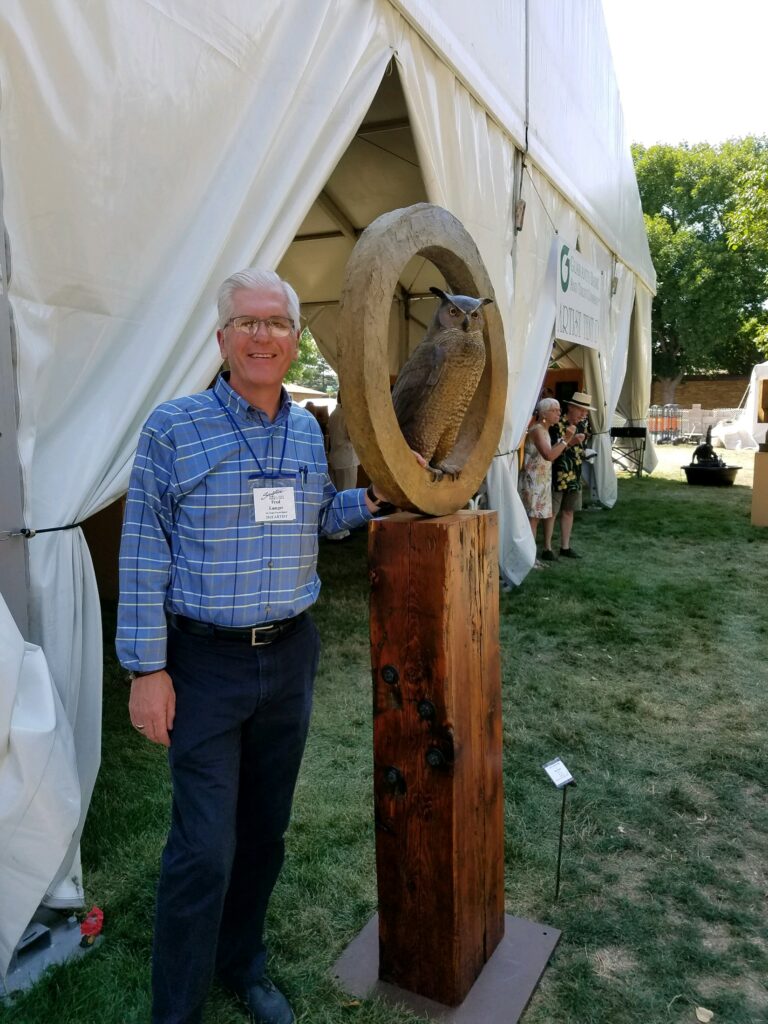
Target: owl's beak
(465,324)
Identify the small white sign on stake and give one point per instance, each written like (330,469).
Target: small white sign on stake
(558,773)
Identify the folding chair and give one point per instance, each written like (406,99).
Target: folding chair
(628,448)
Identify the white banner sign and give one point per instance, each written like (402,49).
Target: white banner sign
(579,299)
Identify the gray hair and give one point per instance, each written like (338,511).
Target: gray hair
(546,404)
(251,280)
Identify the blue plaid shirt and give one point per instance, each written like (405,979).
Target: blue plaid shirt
(191,544)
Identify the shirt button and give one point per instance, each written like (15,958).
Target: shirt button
(267,607)
(269,564)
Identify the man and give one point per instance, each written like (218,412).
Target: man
(566,475)
(342,457)
(228,493)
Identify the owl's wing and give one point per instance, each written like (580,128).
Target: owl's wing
(415,382)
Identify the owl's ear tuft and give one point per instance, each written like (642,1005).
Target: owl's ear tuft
(440,294)
(484,302)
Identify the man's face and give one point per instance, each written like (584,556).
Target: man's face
(575,414)
(259,362)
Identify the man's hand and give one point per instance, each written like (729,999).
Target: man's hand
(152,706)
(373,509)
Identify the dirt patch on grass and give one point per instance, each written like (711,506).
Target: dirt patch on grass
(750,987)
(631,882)
(716,937)
(612,962)
(752,868)
(749,860)
(754,794)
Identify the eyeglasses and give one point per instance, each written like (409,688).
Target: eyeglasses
(276,326)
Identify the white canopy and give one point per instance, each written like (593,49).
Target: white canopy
(748,428)
(754,416)
(152,147)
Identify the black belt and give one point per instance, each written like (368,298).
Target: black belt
(255,636)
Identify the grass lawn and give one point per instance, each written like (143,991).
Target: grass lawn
(644,666)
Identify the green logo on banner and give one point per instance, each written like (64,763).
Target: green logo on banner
(565,268)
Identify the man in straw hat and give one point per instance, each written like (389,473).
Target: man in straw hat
(566,474)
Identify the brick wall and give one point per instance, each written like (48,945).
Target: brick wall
(710,393)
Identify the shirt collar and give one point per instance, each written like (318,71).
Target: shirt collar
(240,407)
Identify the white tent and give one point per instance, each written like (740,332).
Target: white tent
(748,428)
(152,147)
(300,393)
(755,414)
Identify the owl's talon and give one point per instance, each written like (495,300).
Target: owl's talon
(438,472)
(447,469)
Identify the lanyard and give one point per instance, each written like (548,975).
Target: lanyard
(236,425)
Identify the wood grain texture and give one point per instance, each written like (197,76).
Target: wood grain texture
(439,827)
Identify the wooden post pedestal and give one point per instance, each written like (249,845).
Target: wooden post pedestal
(760,490)
(438,783)
(437,749)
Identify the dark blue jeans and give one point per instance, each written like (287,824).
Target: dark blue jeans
(242,715)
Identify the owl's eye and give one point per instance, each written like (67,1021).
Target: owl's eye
(475,315)
(453,311)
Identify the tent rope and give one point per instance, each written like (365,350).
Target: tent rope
(26,532)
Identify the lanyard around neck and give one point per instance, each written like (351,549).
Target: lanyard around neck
(236,426)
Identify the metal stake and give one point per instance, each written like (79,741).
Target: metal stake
(560,846)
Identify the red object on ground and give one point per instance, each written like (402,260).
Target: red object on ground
(91,925)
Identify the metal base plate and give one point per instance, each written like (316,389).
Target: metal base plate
(499,996)
(50,938)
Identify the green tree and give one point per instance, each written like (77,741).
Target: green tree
(712,268)
(747,222)
(311,369)
(747,225)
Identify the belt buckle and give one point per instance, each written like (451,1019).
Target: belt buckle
(254,641)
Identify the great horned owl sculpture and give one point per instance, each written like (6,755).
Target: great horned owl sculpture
(436,385)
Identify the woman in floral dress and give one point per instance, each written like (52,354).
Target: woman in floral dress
(535,482)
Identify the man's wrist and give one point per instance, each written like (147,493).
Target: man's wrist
(137,675)
(380,503)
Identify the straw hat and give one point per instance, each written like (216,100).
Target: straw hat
(582,399)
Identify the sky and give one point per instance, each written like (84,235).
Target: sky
(690,70)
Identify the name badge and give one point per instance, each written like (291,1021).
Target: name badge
(274,504)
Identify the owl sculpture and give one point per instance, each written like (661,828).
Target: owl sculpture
(436,385)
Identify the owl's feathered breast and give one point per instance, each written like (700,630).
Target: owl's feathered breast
(437,383)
